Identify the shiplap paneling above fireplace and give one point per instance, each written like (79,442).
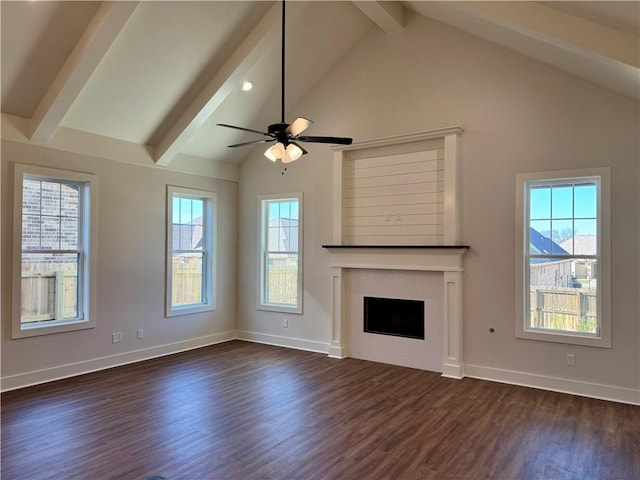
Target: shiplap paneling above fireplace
(400,190)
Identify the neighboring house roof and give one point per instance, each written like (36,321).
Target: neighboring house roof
(184,231)
(287,239)
(544,245)
(581,244)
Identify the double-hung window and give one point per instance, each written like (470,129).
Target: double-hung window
(563,257)
(190,251)
(281,253)
(54,251)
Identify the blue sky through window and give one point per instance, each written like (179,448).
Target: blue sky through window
(187,211)
(283,209)
(564,208)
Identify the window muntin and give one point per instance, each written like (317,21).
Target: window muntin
(563,261)
(280,253)
(190,251)
(53,246)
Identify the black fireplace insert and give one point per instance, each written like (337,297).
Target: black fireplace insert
(393,316)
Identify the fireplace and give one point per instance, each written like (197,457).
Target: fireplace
(394,316)
(379,251)
(432,274)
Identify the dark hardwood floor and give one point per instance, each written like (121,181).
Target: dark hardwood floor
(247,411)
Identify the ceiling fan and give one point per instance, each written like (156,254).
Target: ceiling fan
(286,149)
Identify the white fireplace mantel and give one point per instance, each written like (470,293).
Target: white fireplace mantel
(441,258)
(444,256)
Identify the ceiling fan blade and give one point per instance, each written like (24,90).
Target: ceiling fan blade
(337,140)
(298,126)
(243,129)
(243,144)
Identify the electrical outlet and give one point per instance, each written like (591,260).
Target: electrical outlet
(387,216)
(116,337)
(140,333)
(285,323)
(398,216)
(571,359)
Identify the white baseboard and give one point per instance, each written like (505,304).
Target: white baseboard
(36,377)
(563,385)
(289,342)
(554,384)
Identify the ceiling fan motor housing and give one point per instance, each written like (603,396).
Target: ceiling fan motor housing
(276,128)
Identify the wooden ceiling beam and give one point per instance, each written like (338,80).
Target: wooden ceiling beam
(389,16)
(257,44)
(85,57)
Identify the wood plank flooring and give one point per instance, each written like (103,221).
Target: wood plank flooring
(246,411)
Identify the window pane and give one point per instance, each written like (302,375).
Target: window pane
(31,197)
(292,237)
(69,233)
(586,199)
(197,212)
(30,232)
(539,236)
(540,203)
(586,227)
(587,243)
(50,198)
(70,200)
(175,210)
(563,295)
(273,210)
(562,236)
(50,233)
(186,279)
(285,210)
(185,210)
(186,234)
(562,202)
(49,283)
(282,279)
(273,237)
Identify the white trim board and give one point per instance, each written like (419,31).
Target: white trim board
(37,377)
(562,385)
(280,341)
(554,384)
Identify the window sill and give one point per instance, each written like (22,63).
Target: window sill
(61,326)
(295,310)
(188,310)
(567,338)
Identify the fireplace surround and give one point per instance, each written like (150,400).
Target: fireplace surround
(395,208)
(444,260)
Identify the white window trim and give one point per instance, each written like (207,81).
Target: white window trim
(604,238)
(88,289)
(262,218)
(210,227)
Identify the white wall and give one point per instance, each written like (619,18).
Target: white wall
(519,115)
(131,271)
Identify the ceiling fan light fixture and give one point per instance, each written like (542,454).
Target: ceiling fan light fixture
(275,152)
(286,155)
(294,152)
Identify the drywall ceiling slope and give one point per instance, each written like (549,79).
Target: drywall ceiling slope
(591,50)
(157,76)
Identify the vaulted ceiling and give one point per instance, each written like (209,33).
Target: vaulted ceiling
(156,76)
